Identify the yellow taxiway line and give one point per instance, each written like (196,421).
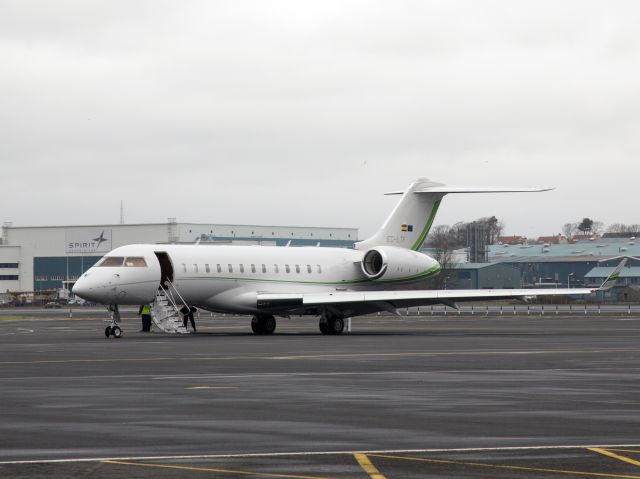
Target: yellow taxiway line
(369,468)
(207,469)
(615,456)
(504,466)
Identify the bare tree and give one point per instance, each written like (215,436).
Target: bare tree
(445,258)
(448,237)
(623,228)
(439,237)
(569,229)
(597,227)
(459,234)
(617,228)
(444,240)
(493,227)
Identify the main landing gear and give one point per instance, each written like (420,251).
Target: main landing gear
(331,325)
(263,324)
(114,329)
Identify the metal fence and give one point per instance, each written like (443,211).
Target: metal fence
(524,309)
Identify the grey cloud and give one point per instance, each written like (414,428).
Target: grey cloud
(294,112)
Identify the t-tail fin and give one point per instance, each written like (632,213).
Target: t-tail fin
(410,221)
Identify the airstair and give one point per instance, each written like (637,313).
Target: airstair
(165,312)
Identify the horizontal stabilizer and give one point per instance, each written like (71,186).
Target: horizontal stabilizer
(446,189)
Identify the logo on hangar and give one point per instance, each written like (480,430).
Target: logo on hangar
(88,241)
(100,239)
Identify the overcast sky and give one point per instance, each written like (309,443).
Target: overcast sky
(304,113)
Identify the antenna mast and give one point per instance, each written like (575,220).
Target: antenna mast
(121,212)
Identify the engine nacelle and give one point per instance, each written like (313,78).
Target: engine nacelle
(393,263)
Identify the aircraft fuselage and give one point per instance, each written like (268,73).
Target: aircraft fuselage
(228,278)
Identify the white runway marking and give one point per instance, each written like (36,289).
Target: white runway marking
(379,373)
(337,373)
(318,453)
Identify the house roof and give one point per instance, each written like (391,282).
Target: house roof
(598,249)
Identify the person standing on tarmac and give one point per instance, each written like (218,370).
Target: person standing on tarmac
(188,316)
(145,314)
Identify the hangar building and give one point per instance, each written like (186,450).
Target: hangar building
(36,258)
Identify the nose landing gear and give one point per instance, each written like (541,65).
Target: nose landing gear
(113,329)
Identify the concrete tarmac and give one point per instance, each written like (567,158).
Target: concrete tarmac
(419,395)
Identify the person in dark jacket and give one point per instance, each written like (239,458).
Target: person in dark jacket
(188,316)
(145,314)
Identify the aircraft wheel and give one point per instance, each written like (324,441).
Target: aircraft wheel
(324,327)
(107,331)
(268,324)
(117,332)
(257,326)
(336,325)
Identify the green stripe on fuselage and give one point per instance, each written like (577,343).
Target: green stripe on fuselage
(423,235)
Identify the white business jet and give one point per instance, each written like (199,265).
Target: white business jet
(269,281)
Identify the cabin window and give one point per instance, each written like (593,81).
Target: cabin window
(135,262)
(264,268)
(298,268)
(219,268)
(276,269)
(287,269)
(230,268)
(195,268)
(242,268)
(184,268)
(309,269)
(112,261)
(207,268)
(319,269)
(253,268)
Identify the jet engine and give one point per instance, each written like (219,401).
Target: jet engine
(393,263)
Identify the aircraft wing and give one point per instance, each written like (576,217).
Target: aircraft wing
(356,302)
(352,303)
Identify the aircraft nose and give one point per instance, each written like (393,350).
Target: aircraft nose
(81,287)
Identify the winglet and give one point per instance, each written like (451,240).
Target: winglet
(613,277)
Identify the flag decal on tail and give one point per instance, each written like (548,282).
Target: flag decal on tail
(406,228)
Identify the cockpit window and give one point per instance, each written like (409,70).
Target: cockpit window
(112,261)
(135,262)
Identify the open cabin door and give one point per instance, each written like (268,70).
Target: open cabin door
(166,268)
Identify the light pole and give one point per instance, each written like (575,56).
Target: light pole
(569,280)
